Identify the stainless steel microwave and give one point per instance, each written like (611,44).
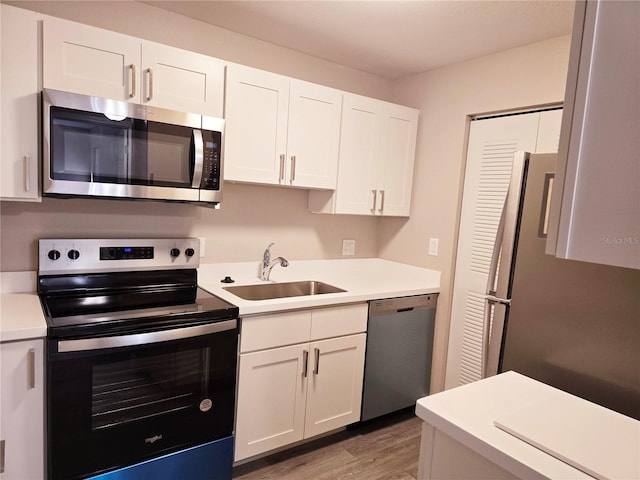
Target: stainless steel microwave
(96,147)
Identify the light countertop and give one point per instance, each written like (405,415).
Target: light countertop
(21,315)
(363,279)
(504,416)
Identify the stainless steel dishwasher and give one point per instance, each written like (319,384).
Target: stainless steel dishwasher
(397,368)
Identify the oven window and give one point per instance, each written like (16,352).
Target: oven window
(142,387)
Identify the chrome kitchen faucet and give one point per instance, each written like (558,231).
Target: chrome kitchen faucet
(267,264)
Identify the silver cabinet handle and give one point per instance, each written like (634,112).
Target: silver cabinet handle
(381,201)
(26,160)
(293,168)
(316,369)
(31,369)
(150,84)
(281,176)
(133,81)
(375,199)
(1,456)
(305,363)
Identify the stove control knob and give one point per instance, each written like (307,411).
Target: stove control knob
(73,254)
(189,252)
(174,252)
(53,254)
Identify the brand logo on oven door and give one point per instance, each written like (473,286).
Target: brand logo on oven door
(153,439)
(205,405)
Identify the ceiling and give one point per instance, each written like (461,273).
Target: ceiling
(389,38)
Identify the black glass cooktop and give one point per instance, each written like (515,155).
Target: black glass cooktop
(104,303)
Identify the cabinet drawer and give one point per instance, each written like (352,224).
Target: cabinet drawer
(336,321)
(269,331)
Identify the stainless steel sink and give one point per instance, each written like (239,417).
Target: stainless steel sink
(266,291)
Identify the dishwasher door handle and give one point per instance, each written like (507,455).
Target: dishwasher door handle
(409,309)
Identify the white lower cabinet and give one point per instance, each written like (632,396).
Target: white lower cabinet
(22,410)
(293,392)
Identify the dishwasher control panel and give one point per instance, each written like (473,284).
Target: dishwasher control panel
(426,301)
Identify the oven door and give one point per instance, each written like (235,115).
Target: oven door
(113,401)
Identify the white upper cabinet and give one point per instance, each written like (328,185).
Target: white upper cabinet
(92,61)
(595,212)
(280,131)
(19,87)
(377,153)
(179,80)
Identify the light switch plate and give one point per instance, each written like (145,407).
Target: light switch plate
(433,247)
(201,247)
(348,247)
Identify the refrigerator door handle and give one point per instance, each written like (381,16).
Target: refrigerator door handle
(498,283)
(492,330)
(495,256)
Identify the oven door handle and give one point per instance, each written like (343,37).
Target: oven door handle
(99,343)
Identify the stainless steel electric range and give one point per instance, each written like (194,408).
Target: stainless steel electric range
(141,363)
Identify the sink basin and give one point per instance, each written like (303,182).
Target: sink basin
(266,291)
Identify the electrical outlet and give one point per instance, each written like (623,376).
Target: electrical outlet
(433,247)
(202,252)
(348,247)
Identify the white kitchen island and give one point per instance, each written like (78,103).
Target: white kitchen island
(510,426)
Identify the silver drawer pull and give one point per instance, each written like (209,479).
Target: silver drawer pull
(27,173)
(31,369)
(305,363)
(316,369)
(293,168)
(2,456)
(375,199)
(381,201)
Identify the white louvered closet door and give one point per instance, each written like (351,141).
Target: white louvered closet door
(492,144)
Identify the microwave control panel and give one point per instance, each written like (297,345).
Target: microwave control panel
(211,161)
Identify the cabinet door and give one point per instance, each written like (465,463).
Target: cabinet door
(271,400)
(256,112)
(19,104)
(91,61)
(313,136)
(334,393)
(492,144)
(358,171)
(181,80)
(22,409)
(594,209)
(398,155)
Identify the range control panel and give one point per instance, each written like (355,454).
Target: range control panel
(64,255)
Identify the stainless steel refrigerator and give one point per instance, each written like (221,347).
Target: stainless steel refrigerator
(573,325)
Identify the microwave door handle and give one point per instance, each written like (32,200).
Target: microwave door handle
(198,160)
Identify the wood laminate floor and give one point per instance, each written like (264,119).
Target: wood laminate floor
(385,449)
